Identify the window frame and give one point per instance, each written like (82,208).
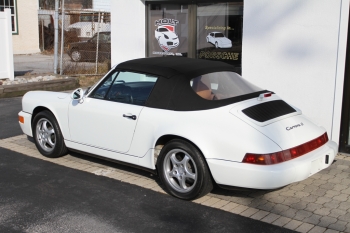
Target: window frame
(14,15)
(117,72)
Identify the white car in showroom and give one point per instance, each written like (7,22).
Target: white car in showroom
(193,122)
(166,38)
(219,40)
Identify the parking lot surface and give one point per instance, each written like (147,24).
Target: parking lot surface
(38,196)
(320,203)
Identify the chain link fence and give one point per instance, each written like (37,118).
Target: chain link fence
(84,45)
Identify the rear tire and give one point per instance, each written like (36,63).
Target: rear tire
(48,137)
(183,170)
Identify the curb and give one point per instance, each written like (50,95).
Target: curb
(7,91)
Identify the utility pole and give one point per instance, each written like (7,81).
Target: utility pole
(56,38)
(62,37)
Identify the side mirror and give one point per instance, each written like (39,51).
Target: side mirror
(78,94)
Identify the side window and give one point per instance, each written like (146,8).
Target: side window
(131,88)
(101,91)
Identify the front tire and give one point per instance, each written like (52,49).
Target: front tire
(183,170)
(47,135)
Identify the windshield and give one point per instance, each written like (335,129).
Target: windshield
(222,85)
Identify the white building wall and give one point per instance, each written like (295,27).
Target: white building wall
(128,30)
(297,48)
(27,40)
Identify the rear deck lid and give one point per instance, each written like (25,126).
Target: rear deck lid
(279,121)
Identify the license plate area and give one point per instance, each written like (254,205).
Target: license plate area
(317,165)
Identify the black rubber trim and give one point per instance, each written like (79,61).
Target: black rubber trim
(268,110)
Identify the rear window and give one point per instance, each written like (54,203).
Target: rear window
(222,85)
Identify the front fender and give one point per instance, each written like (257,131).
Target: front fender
(55,102)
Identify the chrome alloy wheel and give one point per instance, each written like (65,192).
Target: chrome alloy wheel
(180,170)
(45,135)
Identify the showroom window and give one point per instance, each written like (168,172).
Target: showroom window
(211,31)
(12,5)
(219,32)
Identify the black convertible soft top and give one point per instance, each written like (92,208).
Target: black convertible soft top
(172,90)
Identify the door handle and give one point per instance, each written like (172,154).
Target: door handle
(130,116)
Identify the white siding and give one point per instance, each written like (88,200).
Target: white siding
(27,40)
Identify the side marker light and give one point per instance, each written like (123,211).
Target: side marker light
(21,119)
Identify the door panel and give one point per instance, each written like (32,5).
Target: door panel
(103,124)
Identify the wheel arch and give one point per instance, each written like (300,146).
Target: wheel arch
(59,149)
(39,109)
(163,140)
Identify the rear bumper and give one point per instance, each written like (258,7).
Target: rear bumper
(238,174)
(27,125)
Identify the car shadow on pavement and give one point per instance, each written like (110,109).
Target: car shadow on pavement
(114,164)
(222,192)
(239,192)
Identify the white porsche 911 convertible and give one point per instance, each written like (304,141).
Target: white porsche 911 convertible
(194,122)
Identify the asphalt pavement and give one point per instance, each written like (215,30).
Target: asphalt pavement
(9,109)
(39,196)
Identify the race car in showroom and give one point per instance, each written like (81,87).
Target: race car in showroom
(194,122)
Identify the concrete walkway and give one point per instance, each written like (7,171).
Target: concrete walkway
(320,203)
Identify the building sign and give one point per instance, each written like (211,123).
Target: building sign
(167,30)
(166,36)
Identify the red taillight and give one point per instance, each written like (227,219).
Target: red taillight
(285,155)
